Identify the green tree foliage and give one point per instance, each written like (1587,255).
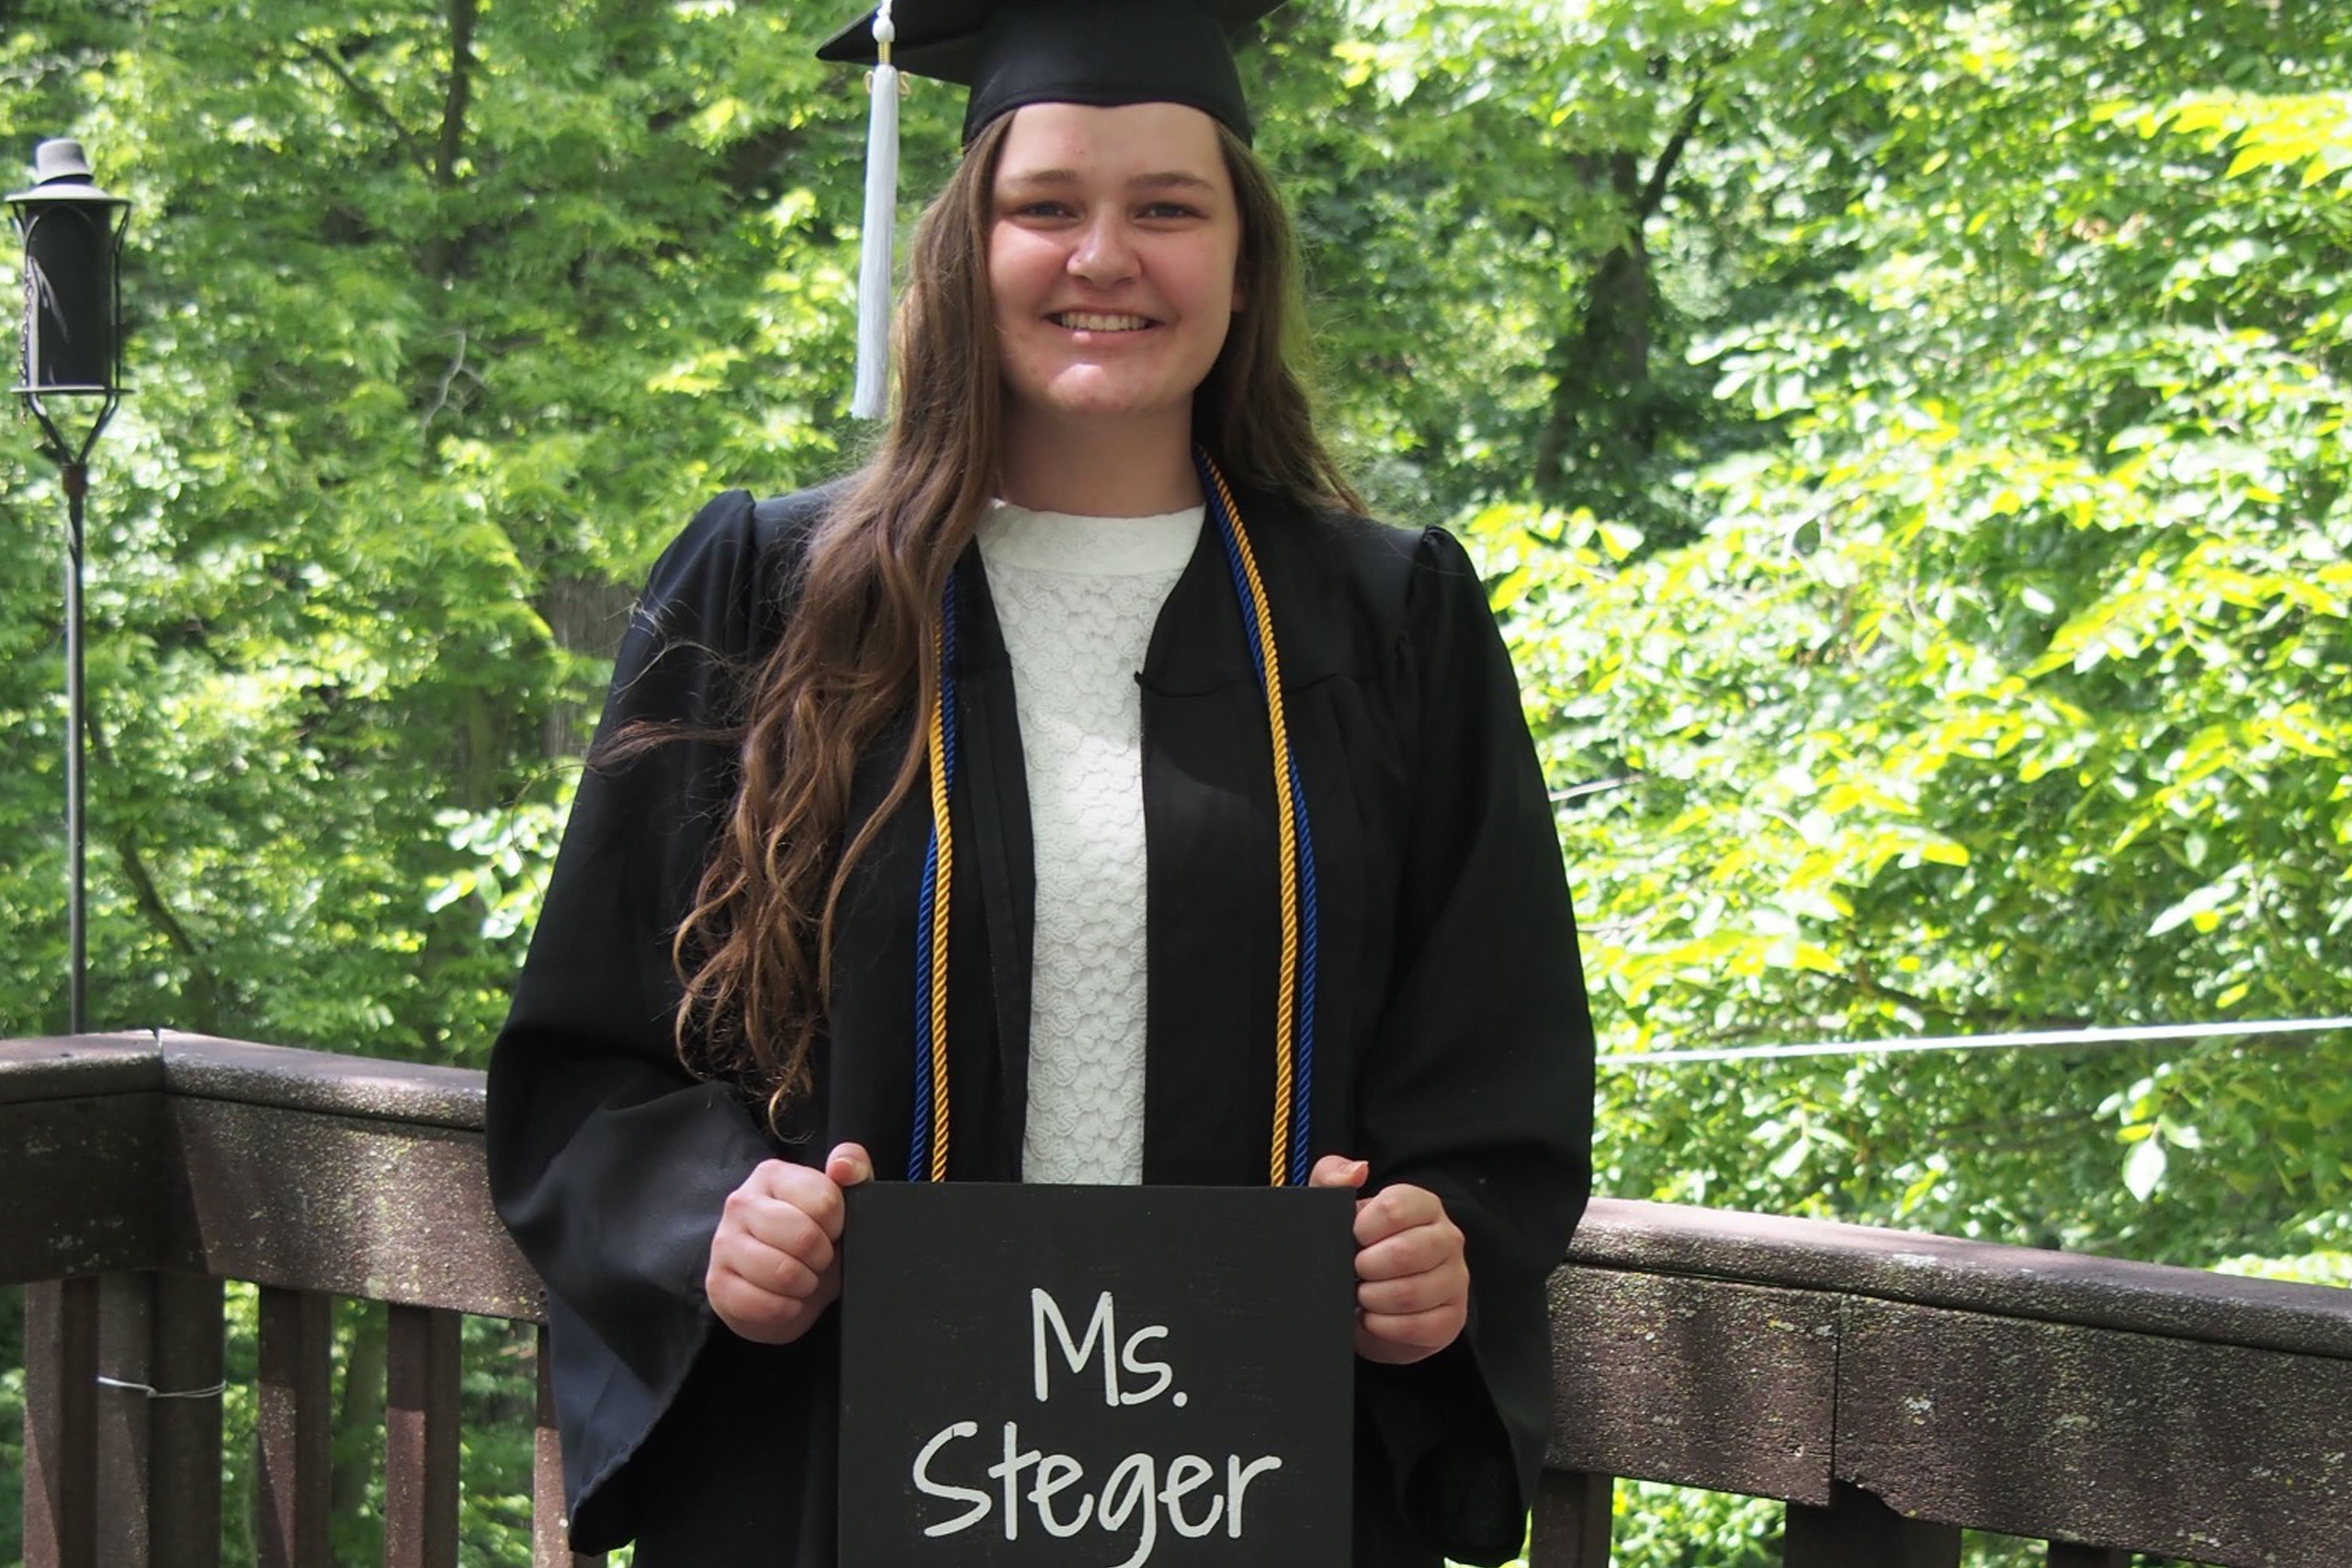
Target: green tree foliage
(1908,443)
(2004,686)
(444,318)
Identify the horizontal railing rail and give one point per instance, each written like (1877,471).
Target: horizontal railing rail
(1890,1388)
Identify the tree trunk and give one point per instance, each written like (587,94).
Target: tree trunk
(1602,427)
(360,1417)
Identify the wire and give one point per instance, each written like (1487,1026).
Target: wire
(1598,787)
(152,1391)
(2013,1039)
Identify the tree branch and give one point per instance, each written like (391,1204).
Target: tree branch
(372,104)
(449,379)
(462,17)
(203,986)
(1654,191)
(445,255)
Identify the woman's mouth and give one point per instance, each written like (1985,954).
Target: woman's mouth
(1094,321)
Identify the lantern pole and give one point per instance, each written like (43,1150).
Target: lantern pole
(72,355)
(76,478)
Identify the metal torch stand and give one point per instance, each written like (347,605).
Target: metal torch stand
(77,485)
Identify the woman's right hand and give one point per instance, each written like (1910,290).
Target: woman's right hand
(774,1261)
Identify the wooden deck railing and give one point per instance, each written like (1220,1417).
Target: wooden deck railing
(1890,1388)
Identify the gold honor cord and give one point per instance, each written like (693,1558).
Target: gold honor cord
(927,1140)
(944,831)
(1294,1014)
(1271,677)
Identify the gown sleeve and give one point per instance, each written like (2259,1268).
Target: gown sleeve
(1478,1084)
(608,1161)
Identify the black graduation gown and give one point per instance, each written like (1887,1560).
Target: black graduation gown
(1453,1047)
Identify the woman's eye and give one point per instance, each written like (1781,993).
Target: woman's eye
(1165,210)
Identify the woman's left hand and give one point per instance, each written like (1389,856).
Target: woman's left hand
(1412,1280)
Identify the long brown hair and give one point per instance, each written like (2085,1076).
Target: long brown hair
(756,951)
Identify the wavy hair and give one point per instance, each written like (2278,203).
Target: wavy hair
(754,951)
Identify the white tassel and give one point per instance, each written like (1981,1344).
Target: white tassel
(873,392)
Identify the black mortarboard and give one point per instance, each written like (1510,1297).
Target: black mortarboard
(1011,52)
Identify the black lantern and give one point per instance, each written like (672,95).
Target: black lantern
(71,383)
(73,349)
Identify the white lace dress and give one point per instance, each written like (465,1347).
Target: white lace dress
(1077,598)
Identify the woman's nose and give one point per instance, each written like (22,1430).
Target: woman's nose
(1104,252)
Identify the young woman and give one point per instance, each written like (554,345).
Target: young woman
(1001,772)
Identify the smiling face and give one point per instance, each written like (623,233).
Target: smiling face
(1112,251)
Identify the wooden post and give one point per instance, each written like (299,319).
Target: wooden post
(421,1439)
(159,1421)
(295,1422)
(1857,1530)
(184,1428)
(1573,1514)
(126,1377)
(61,1424)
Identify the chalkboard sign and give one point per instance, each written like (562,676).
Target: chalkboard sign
(1096,1377)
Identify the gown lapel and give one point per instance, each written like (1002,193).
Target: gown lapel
(998,773)
(1211,887)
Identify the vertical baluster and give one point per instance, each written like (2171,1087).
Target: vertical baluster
(421,1439)
(184,1433)
(295,1424)
(1572,1520)
(61,1424)
(159,1421)
(1857,1530)
(550,1520)
(2066,1554)
(126,1361)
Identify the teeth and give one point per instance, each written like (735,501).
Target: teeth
(1086,321)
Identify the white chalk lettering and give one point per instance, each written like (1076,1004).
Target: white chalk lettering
(1102,1327)
(1238,1477)
(1185,1473)
(1009,1471)
(923,1482)
(1139,1493)
(1160,1372)
(1102,1331)
(1136,1471)
(1056,1472)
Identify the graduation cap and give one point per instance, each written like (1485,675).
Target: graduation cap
(1010,52)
